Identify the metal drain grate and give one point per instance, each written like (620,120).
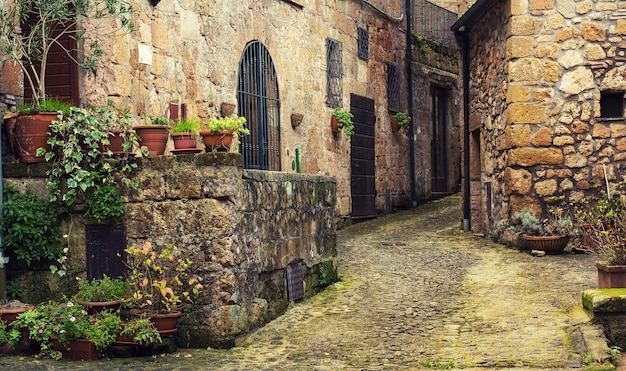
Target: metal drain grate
(295,281)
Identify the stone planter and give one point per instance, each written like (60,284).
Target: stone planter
(611,276)
(227,109)
(296,119)
(551,245)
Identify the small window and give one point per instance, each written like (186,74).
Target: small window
(334,74)
(364,52)
(612,105)
(393,87)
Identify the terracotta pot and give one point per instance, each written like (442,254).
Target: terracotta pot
(154,137)
(184,140)
(296,119)
(551,245)
(94,307)
(611,276)
(217,140)
(116,140)
(31,133)
(394,125)
(165,323)
(334,124)
(80,349)
(124,340)
(10,314)
(227,109)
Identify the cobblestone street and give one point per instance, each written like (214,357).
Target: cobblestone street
(416,292)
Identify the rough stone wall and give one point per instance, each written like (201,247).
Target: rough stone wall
(188,52)
(240,228)
(488,84)
(438,67)
(548,141)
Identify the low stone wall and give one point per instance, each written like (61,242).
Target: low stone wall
(608,307)
(241,229)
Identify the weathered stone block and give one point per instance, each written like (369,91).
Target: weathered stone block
(526,113)
(528,156)
(519,46)
(542,138)
(525,69)
(518,135)
(592,31)
(517,181)
(525,25)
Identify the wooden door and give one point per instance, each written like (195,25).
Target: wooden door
(362,160)
(439,142)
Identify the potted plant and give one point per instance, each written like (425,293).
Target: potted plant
(122,140)
(551,235)
(342,120)
(160,281)
(80,162)
(184,133)
(63,328)
(29,46)
(219,132)
(400,120)
(138,331)
(102,294)
(153,137)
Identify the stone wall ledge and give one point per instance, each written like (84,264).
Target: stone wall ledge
(607,308)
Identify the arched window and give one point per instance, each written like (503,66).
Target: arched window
(259,102)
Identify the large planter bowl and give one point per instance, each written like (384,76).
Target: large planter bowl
(551,245)
(31,133)
(184,140)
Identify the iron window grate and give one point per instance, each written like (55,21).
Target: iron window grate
(364,52)
(393,87)
(333,73)
(295,281)
(612,104)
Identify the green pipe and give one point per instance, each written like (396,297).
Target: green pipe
(297,160)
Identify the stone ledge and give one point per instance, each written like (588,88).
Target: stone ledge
(605,300)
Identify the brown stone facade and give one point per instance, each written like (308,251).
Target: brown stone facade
(538,69)
(189,53)
(241,229)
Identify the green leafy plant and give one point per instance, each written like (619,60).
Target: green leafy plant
(30,226)
(105,289)
(159,279)
(187,126)
(161,121)
(30,46)
(14,290)
(46,105)
(345,124)
(557,224)
(403,120)
(234,123)
(105,204)
(142,331)
(7,336)
(80,162)
(67,320)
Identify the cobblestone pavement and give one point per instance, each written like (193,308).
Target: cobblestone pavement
(416,293)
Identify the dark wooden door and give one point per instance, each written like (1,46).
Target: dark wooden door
(439,143)
(362,161)
(61,71)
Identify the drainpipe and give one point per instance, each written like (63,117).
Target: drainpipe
(463,39)
(409,73)
(3,260)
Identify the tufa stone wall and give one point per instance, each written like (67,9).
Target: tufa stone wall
(537,74)
(240,228)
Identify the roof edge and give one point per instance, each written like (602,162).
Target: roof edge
(472,13)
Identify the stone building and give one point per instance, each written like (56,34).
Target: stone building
(310,57)
(544,104)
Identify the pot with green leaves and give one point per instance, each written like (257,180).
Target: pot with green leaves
(342,121)
(400,120)
(30,48)
(219,132)
(185,133)
(153,137)
(102,294)
(550,236)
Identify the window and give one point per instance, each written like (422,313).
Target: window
(363,41)
(612,104)
(334,73)
(393,87)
